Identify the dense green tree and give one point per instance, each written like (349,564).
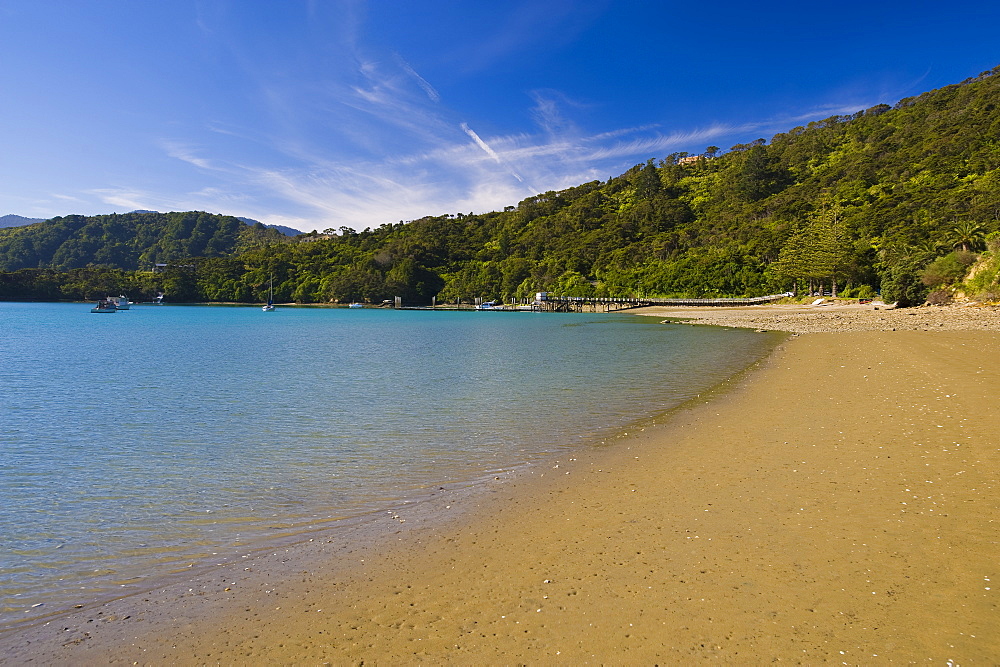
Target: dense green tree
(900,268)
(819,253)
(756,178)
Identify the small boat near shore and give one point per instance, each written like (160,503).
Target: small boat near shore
(121,302)
(270,297)
(356,305)
(104,306)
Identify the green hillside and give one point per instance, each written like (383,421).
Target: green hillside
(128,241)
(889,199)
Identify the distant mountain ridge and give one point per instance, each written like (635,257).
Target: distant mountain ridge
(287,231)
(18,221)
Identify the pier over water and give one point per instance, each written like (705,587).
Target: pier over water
(551,303)
(565,304)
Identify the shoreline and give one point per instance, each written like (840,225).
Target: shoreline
(835,316)
(742,528)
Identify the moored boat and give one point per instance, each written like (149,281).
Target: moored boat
(121,302)
(356,305)
(104,306)
(270,297)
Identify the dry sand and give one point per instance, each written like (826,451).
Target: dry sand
(838,504)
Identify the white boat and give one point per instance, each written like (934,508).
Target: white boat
(489,305)
(356,305)
(104,306)
(121,303)
(270,297)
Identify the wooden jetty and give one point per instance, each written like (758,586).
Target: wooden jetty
(550,303)
(566,304)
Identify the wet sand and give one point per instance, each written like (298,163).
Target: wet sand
(837,504)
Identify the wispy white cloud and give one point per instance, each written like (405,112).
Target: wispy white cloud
(548,112)
(65,197)
(184,153)
(384,108)
(489,151)
(655,145)
(451,175)
(377,145)
(432,94)
(124,199)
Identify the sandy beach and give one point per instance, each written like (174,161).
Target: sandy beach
(838,503)
(832,315)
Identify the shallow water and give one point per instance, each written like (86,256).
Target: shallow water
(135,443)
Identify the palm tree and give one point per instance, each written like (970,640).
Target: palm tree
(967,234)
(929,248)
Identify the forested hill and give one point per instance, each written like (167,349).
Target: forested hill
(867,202)
(132,241)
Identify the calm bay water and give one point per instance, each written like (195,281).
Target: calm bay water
(134,443)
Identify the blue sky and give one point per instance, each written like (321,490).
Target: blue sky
(329,113)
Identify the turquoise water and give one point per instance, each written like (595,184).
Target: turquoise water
(135,443)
